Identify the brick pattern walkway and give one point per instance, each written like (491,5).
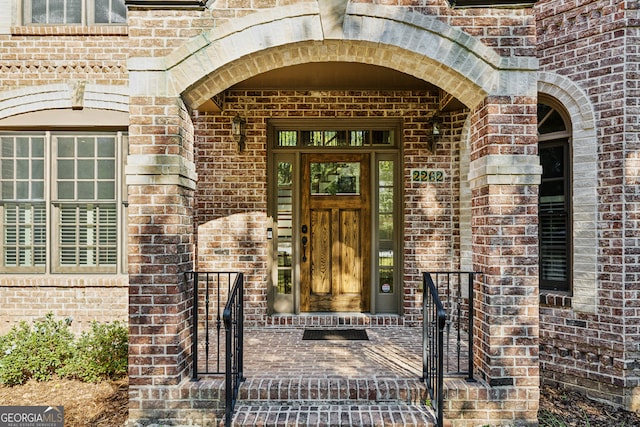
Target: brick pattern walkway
(394,352)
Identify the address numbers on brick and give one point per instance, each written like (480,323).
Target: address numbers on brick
(427,175)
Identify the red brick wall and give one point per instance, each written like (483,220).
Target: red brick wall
(505,244)
(161,244)
(587,41)
(82,298)
(232,199)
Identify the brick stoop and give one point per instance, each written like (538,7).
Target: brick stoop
(334,415)
(332,402)
(294,382)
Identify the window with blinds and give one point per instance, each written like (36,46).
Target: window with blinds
(22,178)
(61,202)
(554,201)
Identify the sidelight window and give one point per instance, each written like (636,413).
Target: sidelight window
(284,217)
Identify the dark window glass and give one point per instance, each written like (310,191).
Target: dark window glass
(549,120)
(554,217)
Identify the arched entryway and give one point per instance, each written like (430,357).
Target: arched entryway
(199,87)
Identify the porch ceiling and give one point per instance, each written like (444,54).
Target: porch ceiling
(336,76)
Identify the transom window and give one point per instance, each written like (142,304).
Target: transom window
(554,207)
(334,138)
(62,202)
(75,12)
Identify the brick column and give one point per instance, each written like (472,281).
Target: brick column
(161,183)
(504,177)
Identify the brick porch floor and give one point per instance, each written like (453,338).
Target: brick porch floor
(290,381)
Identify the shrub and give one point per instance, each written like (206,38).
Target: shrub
(49,348)
(100,354)
(38,351)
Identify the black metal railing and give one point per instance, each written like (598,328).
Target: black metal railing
(233,323)
(447,330)
(218,303)
(433,356)
(455,289)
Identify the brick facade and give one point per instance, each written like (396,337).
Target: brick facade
(81,299)
(593,347)
(232,205)
(39,67)
(194,201)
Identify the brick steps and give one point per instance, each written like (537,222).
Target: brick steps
(332,402)
(384,414)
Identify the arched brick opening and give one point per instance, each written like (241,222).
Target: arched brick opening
(585,181)
(406,41)
(63,95)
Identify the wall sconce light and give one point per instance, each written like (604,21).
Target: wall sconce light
(239,131)
(436,124)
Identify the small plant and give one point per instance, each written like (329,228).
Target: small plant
(38,351)
(48,348)
(100,353)
(548,419)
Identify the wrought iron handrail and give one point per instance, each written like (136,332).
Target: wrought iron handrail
(459,306)
(233,323)
(222,305)
(448,320)
(433,326)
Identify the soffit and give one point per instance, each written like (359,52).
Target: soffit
(334,76)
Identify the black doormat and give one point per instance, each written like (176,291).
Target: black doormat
(335,334)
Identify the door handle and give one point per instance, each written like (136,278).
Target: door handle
(304,248)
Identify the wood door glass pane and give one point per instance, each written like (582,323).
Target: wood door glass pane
(331,178)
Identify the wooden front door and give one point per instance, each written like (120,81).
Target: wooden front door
(335,233)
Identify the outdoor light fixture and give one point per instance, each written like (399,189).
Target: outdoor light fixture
(436,122)
(239,131)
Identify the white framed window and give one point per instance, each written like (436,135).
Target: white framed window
(74,12)
(63,203)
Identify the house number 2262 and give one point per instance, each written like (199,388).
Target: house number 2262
(427,175)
